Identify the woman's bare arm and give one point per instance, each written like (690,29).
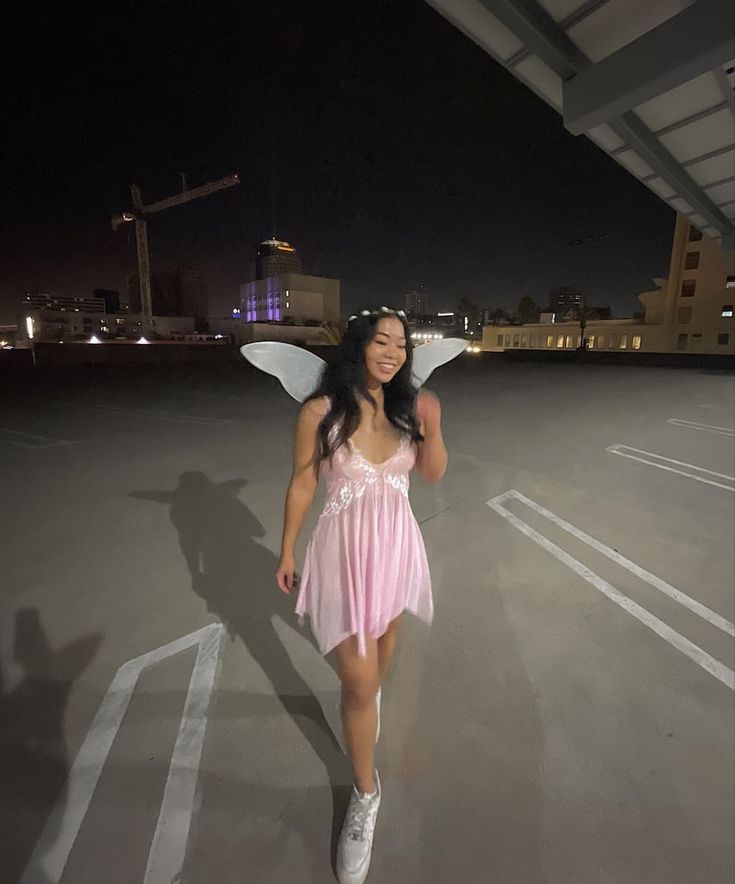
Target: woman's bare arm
(305,474)
(431,457)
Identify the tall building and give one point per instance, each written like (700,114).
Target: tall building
(274,257)
(193,293)
(562,300)
(181,292)
(280,292)
(699,295)
(58,303)
(111,299)
(416,304)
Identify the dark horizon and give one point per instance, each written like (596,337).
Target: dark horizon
(386,146)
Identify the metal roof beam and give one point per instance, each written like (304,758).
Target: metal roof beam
(697,40)
(648,147)
(534,27)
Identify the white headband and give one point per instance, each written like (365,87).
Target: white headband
(383,310)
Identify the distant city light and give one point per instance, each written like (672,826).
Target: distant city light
(235,312)
(94,340)
(445,314)
(142,340)
(29,326)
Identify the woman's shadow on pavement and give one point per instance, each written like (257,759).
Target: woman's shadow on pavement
(235,576)
(33,752)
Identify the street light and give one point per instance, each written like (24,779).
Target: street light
(582,241)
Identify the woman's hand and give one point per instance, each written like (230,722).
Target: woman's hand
(429,413)
(286,576)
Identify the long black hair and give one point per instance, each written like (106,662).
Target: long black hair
(344,379)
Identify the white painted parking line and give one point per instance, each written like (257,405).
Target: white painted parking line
(163,415)
(166,857)
(651,579)
(705,428)
(652,460)
(30,440)
(681,643)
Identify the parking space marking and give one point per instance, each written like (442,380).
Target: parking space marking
(162,415)
(30,440)
(681,643)
(166,856)
(705,428)
(651,579)
(651,459)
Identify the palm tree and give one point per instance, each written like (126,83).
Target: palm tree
(528,310)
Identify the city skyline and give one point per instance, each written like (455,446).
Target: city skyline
(383,168)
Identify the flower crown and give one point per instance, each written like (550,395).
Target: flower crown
(384,311)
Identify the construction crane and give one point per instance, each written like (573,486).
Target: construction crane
(141,228)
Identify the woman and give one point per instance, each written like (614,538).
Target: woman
(365,428)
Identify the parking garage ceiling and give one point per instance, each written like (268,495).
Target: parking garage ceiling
(651,83)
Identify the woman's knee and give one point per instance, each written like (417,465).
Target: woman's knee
(393,627)
(360,692)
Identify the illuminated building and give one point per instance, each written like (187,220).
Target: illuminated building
(274,257)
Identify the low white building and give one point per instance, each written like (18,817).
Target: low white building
(51,326)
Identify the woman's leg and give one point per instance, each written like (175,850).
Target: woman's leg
(360,683)
(386,647)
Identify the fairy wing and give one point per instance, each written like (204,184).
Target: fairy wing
(427,357)
(298,370)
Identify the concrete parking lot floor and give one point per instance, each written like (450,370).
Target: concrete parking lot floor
(567,718)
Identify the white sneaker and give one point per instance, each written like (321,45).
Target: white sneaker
(377,704)
(356,840)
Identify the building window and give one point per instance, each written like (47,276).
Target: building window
(727,311)
(570,342)
(532,342)
(500,340)
(601,342)
(691,262)
(507,340)
(549,340)
(687,288)
(694,234)
(681,342)
(591,342)
(730,282)
(623,342)
(560,342)
(684,315)
(614,342)
(723,339)
(516,340)
(636,342)
(524,340)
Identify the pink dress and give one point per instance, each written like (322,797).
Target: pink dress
(365,562)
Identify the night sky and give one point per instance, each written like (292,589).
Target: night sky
(375,137)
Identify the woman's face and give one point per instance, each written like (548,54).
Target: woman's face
(386,352)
